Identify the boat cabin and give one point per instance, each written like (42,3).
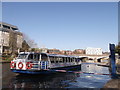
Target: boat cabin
(33,56)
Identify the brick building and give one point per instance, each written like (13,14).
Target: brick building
(53,51)
(79,51)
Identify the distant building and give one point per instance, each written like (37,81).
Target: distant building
(106,53)
(66,52)
(43,50)
(79,51)
(53,51)
(10,38)
(93,51)
(62,51)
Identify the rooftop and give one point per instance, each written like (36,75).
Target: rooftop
(8,26)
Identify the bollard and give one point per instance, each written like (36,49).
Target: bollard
(112,60)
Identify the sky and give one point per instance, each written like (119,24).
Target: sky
(65,25)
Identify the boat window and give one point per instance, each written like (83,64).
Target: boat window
(22,56)
(63,59)
(70,59)
(51,59)
(56,58)
(75,59)
(31,57)
(52,62)
(36,56)
(56,61)
(60,59)
(78,59)
(66,59)
(44,57)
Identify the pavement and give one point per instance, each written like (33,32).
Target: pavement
(113,83)
(118,68)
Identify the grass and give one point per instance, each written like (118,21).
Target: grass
(6,58)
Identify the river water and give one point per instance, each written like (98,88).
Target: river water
(59,80)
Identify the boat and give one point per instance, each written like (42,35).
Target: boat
(43,63)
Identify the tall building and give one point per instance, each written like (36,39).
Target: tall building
(10,38)
(93,51)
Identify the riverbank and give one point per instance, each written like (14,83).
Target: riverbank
(118,68)
(113,83)
(2,61)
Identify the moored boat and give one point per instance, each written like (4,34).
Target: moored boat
(40,63)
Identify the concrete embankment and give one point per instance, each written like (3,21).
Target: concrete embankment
(118,68)
(113,83)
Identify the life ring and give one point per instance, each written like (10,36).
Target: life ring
(29,65)
(20,65)
(12,64)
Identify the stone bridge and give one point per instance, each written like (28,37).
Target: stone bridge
(95,58)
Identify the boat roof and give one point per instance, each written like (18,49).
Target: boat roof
(56,55)
(52,55)
(30,53)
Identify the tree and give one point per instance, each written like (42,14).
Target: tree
(117,48)
(35,50)
(25,46)
(13,41)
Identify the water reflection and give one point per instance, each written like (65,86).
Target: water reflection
(91,80)
(94,68)
(63,80)
(42,81)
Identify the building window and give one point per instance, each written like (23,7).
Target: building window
(14,29)
(5,26)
